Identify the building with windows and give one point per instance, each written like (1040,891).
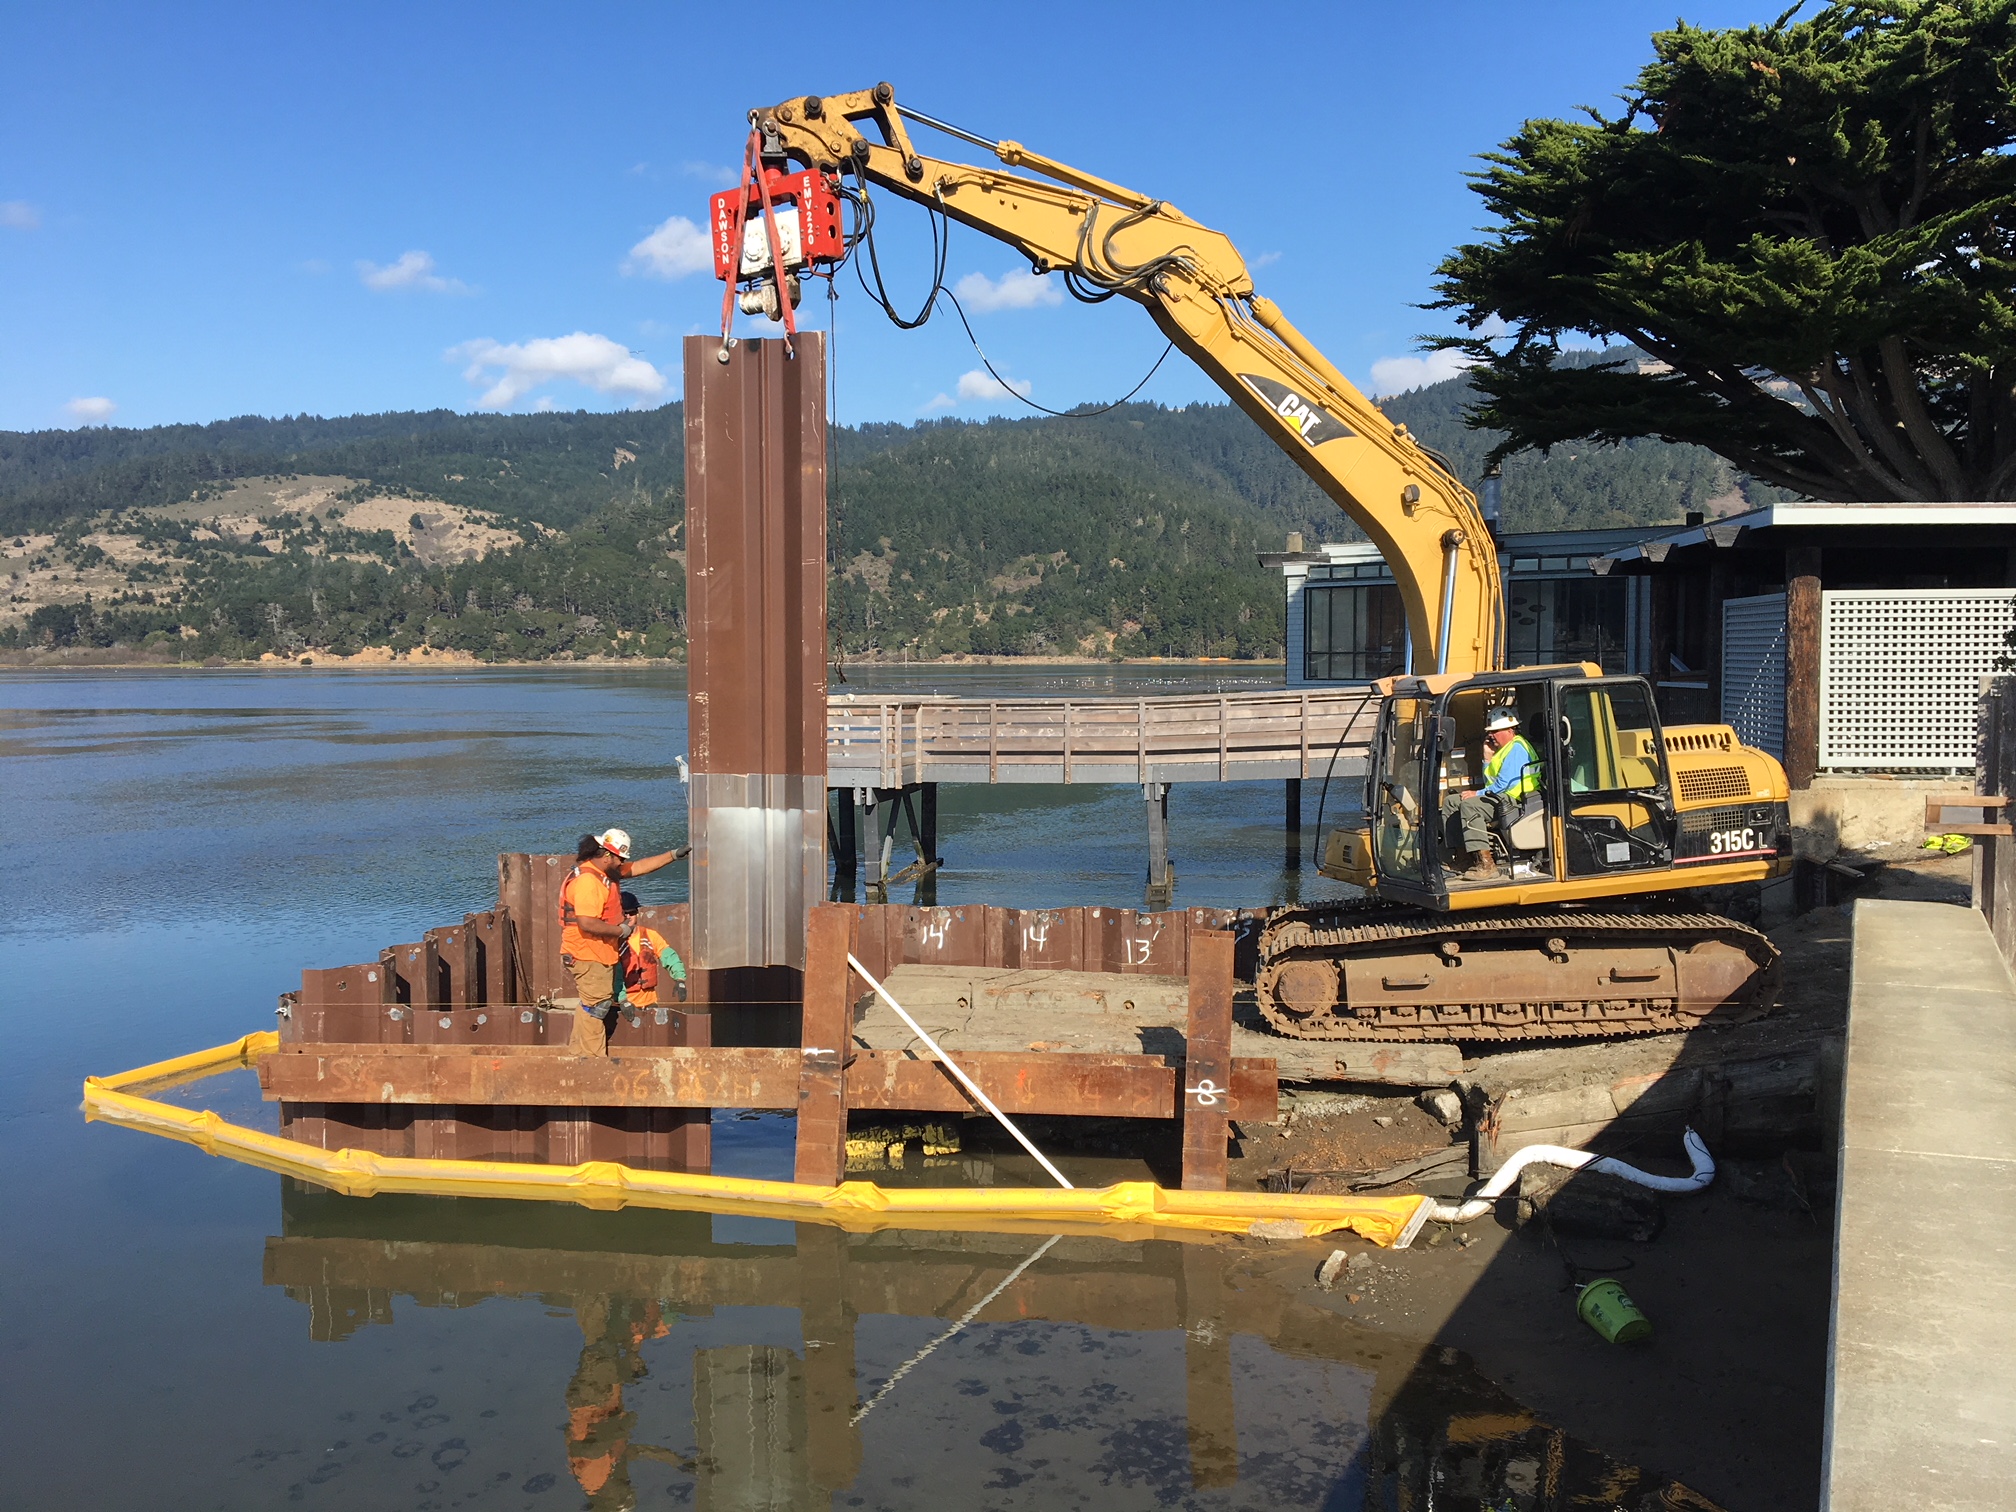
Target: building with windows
(1849,640)
(1843,638)
(1345,624)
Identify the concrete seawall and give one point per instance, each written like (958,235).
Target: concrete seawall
(1921,1406)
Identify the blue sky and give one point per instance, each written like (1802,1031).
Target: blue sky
(209,211)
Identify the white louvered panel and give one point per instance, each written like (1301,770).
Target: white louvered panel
(1900,674)
(1753,670)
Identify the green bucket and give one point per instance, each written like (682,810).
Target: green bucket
(1605,1308)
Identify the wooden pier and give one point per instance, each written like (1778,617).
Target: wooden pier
(886,756)
(874,742)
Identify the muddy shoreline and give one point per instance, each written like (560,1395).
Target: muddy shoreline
(1730,1395)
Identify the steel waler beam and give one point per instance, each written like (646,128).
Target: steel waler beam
(756,635)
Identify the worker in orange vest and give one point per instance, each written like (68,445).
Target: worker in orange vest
(592,929)
(591,940)
(648,960)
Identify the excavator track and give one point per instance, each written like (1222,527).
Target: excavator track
(1371,971)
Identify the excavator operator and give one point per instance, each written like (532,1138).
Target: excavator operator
(1511,782)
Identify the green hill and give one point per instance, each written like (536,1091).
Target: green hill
(551,468)
(558,535)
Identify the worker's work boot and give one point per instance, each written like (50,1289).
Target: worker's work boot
(1483,867)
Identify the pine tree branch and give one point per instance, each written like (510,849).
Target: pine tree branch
(1927,439)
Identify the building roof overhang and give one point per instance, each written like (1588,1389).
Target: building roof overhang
(1776,526)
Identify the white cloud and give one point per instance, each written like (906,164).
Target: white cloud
(938,402)
(1011,291)
(675,250)
(981,384)
(1395,375)
(713,173)
(1264,259)
(514,370)
(413,270)
(93,411)
(19,215)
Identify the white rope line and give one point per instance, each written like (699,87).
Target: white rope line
(971,1313)
(965,1081)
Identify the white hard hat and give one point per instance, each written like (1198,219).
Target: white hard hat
(1501,719)
(615,840)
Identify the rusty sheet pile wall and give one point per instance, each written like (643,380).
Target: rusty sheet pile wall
(396,1046)
(888,935)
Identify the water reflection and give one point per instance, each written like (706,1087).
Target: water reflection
(1137,1375)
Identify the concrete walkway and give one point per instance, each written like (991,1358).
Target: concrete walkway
(1921,1405)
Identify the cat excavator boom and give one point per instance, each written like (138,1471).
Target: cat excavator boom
(1107,240)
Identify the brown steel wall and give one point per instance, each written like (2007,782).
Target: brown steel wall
(652,1139)
(465,984)
(444,990)
(756,556)
(529,887)
(376,1003)
(756,631)
(888,935)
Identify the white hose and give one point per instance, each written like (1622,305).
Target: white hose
(964,1080)
(1479,1203)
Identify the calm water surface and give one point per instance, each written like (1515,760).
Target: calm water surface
(179,1331)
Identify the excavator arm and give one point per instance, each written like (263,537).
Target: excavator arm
(1195,285)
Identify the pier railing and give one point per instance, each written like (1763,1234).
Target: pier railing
(1229,737)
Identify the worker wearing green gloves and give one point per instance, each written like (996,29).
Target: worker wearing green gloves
(648,960)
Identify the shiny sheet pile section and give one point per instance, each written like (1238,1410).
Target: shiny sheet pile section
(756,625)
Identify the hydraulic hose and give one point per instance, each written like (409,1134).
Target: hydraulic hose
(1480,1202)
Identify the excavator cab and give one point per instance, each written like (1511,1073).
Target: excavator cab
(1550,945)
(1601,805)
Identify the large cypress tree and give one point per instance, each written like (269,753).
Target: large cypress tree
(1808,226)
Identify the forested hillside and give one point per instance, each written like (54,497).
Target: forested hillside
(1129,533)
(552,468)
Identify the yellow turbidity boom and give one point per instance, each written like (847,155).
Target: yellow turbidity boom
(1127,1209)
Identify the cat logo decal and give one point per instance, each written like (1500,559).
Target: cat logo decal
(1310,421)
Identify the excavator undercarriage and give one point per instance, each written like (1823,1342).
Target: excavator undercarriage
(1381,972)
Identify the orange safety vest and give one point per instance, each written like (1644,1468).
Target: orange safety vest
(640,965)
(578,898)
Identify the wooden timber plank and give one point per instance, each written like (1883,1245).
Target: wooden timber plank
(1016,1009)
(1115,1086)
(668,1077)
(821,1158)
(558,1050)
(1207,1061)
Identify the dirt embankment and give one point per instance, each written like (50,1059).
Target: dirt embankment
(134,551)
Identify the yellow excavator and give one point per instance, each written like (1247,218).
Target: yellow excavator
(1588,913)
